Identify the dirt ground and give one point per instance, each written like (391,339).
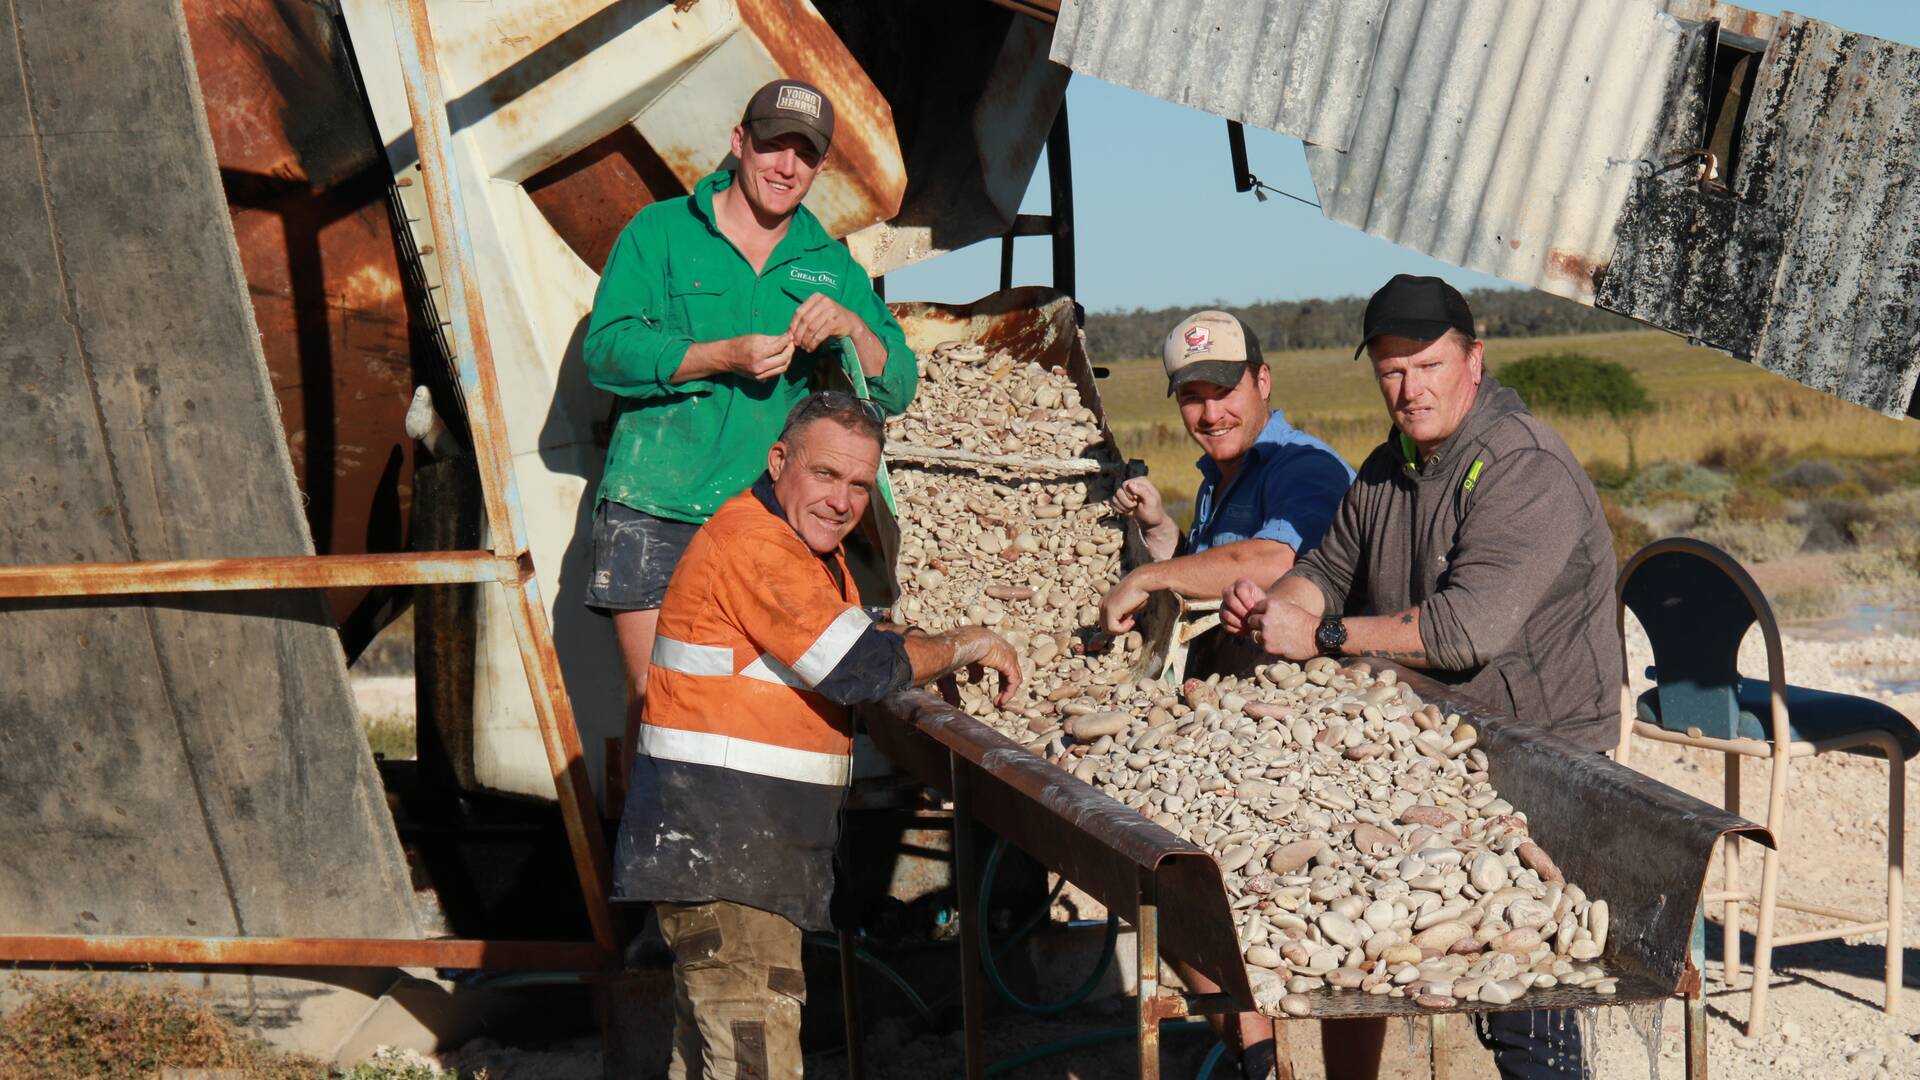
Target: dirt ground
(1825,1005)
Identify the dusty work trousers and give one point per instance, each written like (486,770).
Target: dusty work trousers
(737,992)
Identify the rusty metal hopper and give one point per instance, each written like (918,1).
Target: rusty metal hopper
(1641,845)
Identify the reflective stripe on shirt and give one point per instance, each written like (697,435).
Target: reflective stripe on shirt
(831,646)
(745,755)
(691,659)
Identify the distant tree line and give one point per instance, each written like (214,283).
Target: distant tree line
(1322,324)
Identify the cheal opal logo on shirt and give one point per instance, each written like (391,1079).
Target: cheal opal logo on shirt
(814,277)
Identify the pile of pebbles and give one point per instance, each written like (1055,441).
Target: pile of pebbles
(1361,844)
(993,404)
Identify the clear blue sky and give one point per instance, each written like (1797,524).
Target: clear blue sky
(1160,225)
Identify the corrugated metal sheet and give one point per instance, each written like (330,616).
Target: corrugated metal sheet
(1294,66)
(1498,135)
(1503,136)
(1554,143)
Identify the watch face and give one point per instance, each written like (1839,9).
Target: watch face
(1332,635)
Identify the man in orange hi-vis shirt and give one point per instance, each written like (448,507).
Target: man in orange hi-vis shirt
(746,746)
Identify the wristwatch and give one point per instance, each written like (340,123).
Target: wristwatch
(1331,636)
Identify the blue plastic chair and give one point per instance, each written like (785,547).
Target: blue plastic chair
(1695,603)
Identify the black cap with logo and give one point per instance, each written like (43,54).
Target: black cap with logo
(790,106)
(1421,308)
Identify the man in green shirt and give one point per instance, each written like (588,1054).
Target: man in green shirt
(716,313)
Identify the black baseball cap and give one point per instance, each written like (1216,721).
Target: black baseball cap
(790,106)
(1421,308)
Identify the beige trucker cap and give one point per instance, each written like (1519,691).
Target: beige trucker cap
(1211,346)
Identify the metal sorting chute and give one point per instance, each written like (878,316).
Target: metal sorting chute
(1037,326)
(1740,178)
(1624,837)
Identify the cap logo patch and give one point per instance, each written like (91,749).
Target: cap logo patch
(796,99)
(1199,339)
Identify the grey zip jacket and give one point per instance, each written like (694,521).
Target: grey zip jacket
(1499,540)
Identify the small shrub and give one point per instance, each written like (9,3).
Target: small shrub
(389,1063)
(1755,504)
(82,1030)
(1808,601)
(1630,534)
(1755,541)
(1675,482)
(1808,477)
(1837,524)
(1608,474)
(1744,452)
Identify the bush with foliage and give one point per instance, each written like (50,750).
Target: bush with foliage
(1630,534)
(1575,384)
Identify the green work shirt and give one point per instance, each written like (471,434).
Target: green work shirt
(679,451)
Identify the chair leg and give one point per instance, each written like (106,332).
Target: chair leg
(1896,869)
(1730,854)
(1769,881)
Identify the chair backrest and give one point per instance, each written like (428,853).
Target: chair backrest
(1695,603)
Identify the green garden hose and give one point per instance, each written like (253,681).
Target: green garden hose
(988,959)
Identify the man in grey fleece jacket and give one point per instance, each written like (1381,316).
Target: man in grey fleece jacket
(1473,546)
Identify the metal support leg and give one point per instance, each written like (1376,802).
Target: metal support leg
(973,983)
(1693,983)
(850,1009)
(1730,851)
(1439,1059)
(1282,1050)
(1147,931)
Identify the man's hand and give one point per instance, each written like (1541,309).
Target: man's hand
(1288,630)
(760,356)
(981,648)
(1241,607)
(935,656)
(820,317)
(1140,500)
(1127,596)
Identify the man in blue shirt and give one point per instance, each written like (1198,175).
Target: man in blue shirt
(1267,491)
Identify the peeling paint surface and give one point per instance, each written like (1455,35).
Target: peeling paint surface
(1561,144)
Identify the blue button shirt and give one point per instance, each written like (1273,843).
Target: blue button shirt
(1288,488)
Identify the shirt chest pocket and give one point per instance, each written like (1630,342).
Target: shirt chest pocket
(700,295)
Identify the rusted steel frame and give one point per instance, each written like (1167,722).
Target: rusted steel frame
(1047,11)
(473,360)
(463,953)
(1099,844)
(1439,1060)
(966,869)
(263,572)
(1146,931)
(1060,195)
(1692,990)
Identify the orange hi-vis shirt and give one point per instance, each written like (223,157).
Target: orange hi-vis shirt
(746,744)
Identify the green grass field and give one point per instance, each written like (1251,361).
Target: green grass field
(1704,400)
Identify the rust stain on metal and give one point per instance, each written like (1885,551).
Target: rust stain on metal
(1573,267)
(591,195)
(306,952)
(237,575)
(865,148)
